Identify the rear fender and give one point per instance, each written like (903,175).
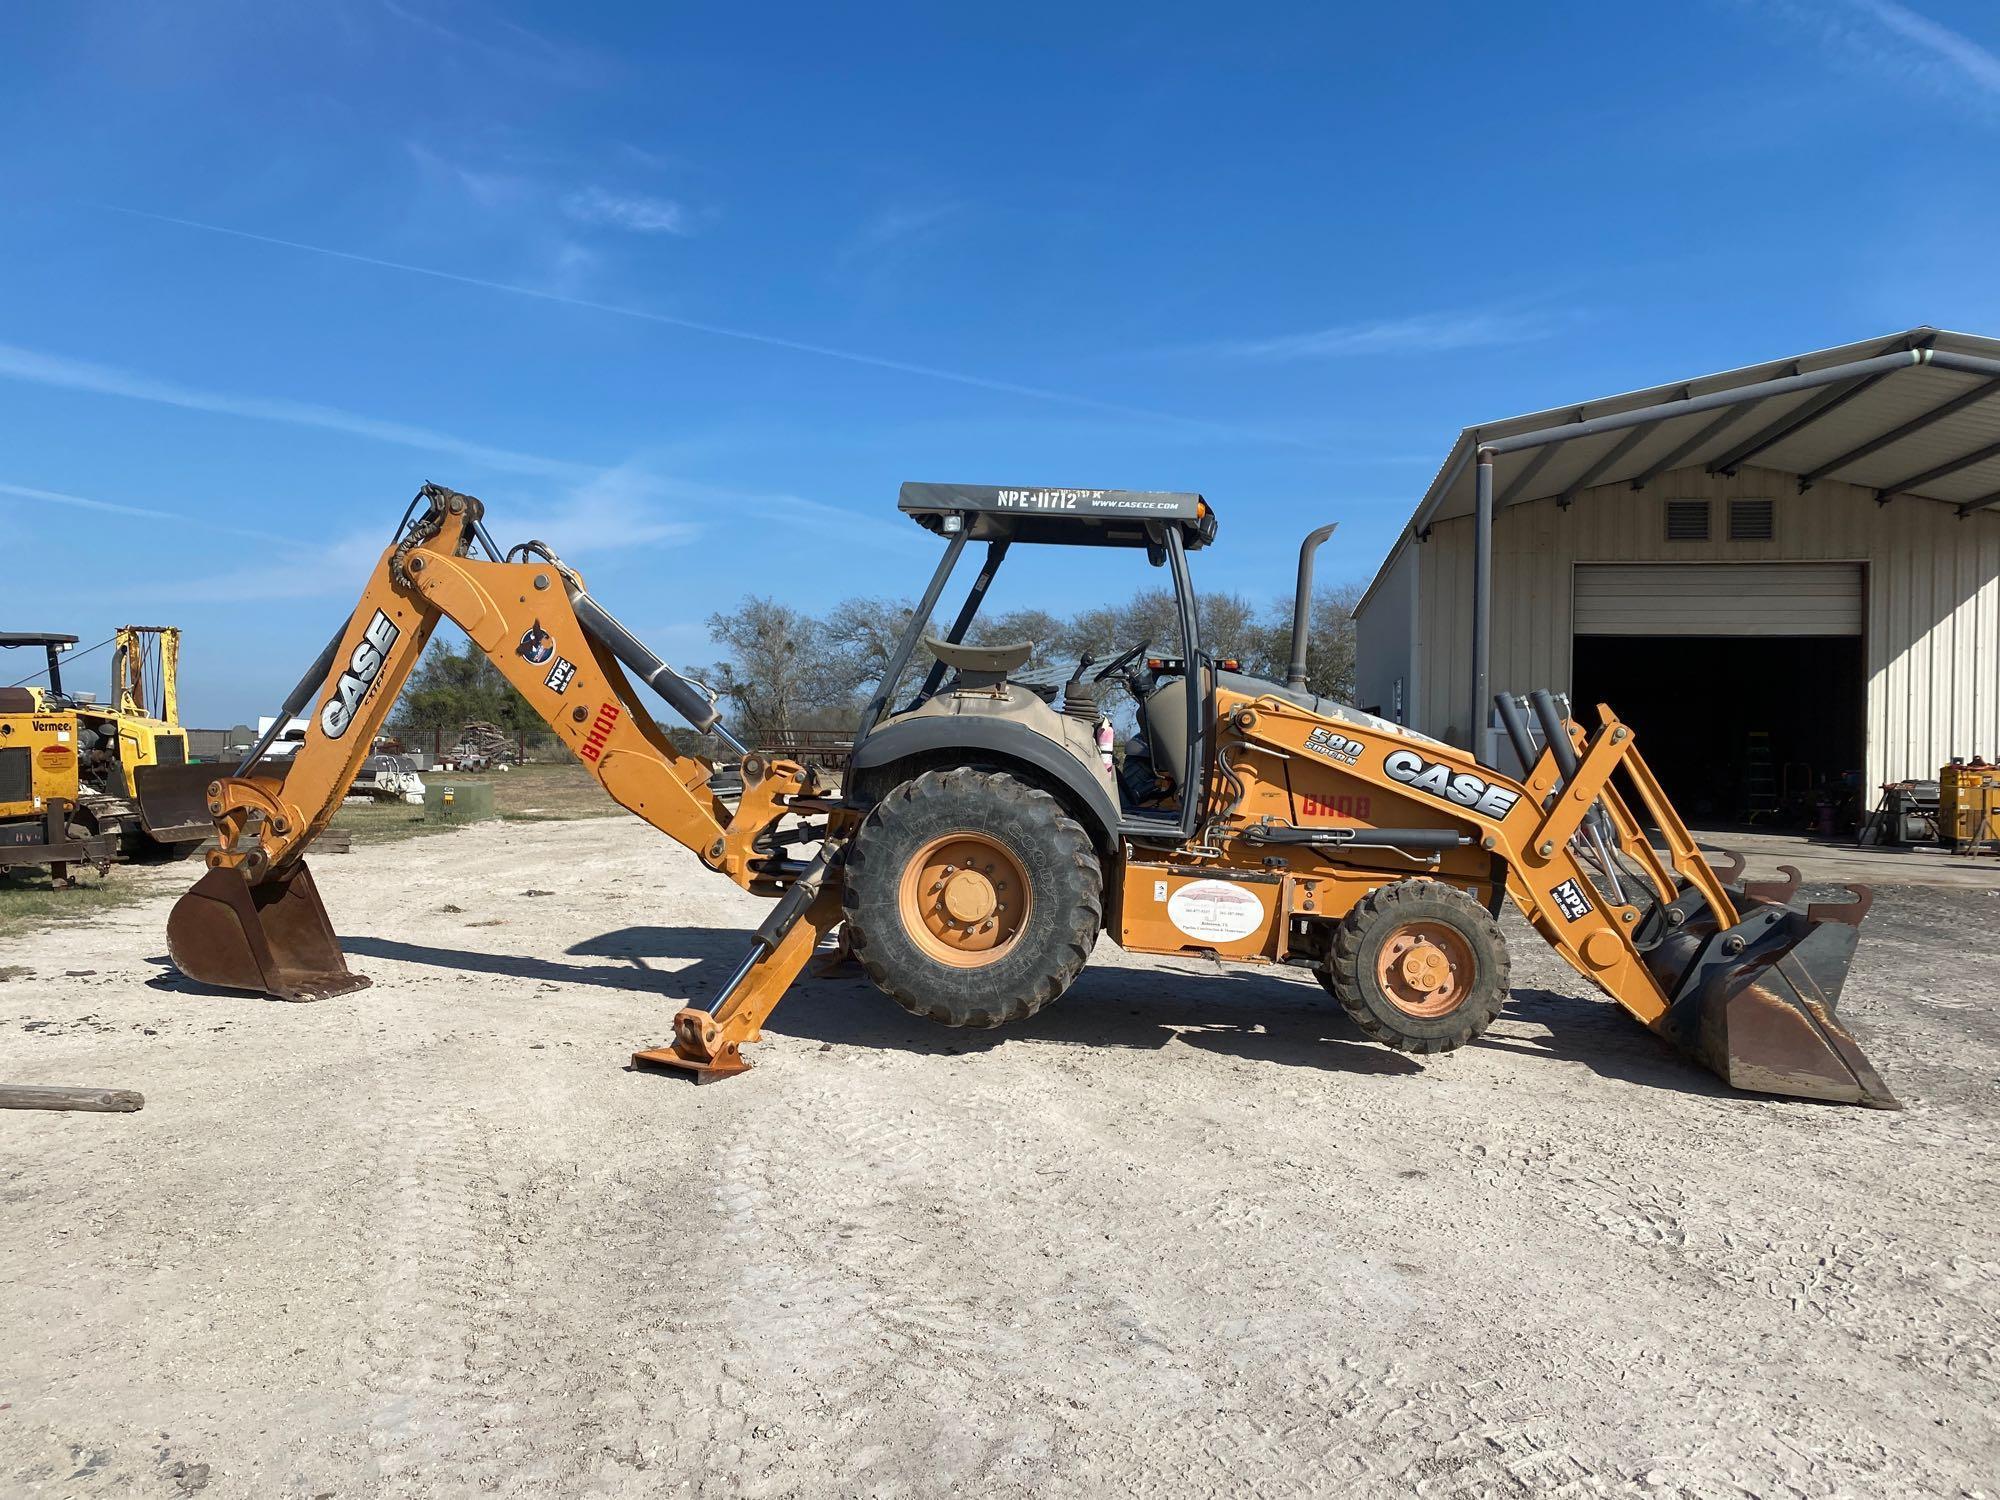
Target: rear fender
(929,741)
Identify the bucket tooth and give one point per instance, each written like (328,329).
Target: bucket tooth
(1777,892)
(1850,912)
(271,937)
(1728,866)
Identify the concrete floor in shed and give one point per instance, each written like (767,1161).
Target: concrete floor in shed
(1185,1233)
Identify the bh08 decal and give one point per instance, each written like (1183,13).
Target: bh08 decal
(364,665)
(1337,807)
(600,731)
(1461,787)
(1324,742)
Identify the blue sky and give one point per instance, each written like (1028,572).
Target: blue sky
(688,291)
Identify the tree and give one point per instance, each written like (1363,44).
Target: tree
(1330,642)
(1046,631)
(782,668)
(455,685)
(863,635)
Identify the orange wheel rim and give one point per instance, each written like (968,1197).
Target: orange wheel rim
(1425,968)
(964,899)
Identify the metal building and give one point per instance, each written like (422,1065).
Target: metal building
(1786,577)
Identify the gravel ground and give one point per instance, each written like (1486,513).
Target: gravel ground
(1184,1234)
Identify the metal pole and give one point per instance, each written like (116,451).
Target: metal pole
(1482,603)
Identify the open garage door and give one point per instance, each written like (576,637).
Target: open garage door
(1745,681)
(1718,599)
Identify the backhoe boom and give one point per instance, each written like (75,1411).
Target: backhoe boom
(255,920)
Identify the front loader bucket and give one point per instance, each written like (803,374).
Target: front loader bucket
(272,937)
(1755,1003)
(173,801)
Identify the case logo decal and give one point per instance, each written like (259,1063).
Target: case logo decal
(364,665)
(1461,787)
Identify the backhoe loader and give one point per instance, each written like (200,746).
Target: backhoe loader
(980,843)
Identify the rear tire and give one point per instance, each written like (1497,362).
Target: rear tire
(972,898)
(1419,965)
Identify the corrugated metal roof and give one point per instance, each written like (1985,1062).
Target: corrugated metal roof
(1921,431)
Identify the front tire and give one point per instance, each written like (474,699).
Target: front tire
(1419,965)
(972,898)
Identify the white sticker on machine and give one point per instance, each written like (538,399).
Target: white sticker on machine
(1216,911)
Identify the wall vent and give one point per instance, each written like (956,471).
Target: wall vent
(1687,520)
(1751,521)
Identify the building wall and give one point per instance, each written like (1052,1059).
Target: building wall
(1385,643)
(1932,635)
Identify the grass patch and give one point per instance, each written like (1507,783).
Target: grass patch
(552,793)
(29,898)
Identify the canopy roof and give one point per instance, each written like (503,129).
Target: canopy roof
(1038,513)
(1912,414)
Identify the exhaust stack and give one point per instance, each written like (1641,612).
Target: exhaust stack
(1302,603)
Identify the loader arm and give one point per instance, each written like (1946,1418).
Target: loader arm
(255,920)
(1734,977)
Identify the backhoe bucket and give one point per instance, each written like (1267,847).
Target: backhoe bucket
(273,937)
(173,801)
(1755,1003)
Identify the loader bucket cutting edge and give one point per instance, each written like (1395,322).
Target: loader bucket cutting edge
(1756,1004)
(271,937)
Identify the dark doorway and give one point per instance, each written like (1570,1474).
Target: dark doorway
(1737,728)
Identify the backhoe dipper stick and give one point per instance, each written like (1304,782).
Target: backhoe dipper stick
(255,921)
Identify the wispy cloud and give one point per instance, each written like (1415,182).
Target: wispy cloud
(1424,333)
(488,189)
(895,229)
(496,40)
(718,330)
(31,495)
(611,512)
(1960,56)
(636,212)
(1886,38)
(36,368)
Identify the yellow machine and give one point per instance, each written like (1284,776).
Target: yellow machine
(981,844)
(116,744)
(1969,806)
(41,821)
(141,731)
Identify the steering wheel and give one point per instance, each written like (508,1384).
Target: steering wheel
(1120,664)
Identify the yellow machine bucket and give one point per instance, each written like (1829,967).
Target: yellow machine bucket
(271,937)
(173,801)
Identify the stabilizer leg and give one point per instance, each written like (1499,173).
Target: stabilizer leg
(708,1043)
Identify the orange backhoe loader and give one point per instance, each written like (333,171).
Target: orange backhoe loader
(981,841)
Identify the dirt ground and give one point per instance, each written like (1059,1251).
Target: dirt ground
(1184,1234)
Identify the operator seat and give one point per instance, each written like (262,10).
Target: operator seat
(1163,713)
(980,666)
